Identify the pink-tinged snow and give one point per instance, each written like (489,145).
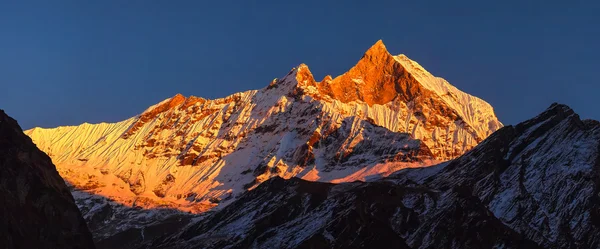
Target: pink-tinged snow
(368,173)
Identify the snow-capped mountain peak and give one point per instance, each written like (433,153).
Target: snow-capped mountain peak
(192,153)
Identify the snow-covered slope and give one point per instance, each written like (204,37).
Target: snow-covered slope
(384,114)
(473,110)
(299,214)
(533,185)
(540,178)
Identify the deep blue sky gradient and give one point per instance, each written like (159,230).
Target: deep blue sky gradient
(69,62)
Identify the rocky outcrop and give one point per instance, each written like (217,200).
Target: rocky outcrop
(37,209)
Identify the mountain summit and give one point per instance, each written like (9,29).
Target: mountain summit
(432,104)
(386,113)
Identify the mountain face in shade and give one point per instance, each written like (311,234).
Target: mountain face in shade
(533,185)
(386,113)
(540,178)
(300,214)
(37,209)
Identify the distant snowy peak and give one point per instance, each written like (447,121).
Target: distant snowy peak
(380,78)
(407,99)
(367,123)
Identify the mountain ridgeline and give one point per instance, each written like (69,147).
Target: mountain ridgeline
(385,114)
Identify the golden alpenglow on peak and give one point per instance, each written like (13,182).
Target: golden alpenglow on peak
(385,114)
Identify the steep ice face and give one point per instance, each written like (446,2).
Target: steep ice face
(192,153)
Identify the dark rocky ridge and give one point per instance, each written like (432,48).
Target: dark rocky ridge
(301,214)
(540,178)
(36,210)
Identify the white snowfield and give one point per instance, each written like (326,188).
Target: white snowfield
(192,153)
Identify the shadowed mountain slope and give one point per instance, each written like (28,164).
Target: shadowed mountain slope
(37,209)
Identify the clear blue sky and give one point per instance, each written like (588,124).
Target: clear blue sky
(69,62)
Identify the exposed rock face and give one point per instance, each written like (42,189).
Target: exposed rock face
(385,114)
(533,185)
(37,209)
